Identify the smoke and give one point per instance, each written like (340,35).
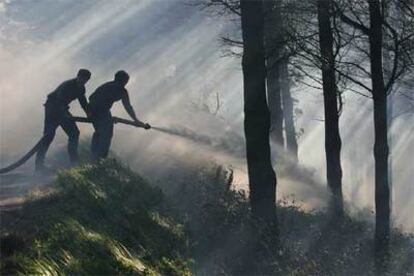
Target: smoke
(357,132)
(232,145)
(173,56)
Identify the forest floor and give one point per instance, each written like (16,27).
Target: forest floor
(105,219)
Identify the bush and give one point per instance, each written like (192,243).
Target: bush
(226,241)
(103,219)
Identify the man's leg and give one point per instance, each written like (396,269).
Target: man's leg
(107,137)
(72,131)
(50,124)
(95,138)
(94,144)
(106,133)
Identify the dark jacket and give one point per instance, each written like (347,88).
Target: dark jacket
(106,95)
(65,93)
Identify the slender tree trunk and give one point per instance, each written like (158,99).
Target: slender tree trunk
(272,46)
(387,65)
(382,192)
(330,95)
(262,178)
(291,142)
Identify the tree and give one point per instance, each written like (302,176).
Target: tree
(280,100)
(382,192)
(330,95)
(273,71)
(262,178)
(398,32)
(288,116)
(357,60)
(315,44)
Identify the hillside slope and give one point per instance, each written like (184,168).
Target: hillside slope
(105,219)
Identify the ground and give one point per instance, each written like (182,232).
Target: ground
(106,219)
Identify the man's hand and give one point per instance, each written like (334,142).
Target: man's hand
(139,123)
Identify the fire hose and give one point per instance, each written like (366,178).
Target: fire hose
(29,154)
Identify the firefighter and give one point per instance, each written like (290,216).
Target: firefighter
(100,103)
(57,114)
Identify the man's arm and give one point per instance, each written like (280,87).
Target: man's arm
(130,110)
(84,104)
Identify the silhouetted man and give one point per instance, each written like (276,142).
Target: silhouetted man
(101,102)
(57,114)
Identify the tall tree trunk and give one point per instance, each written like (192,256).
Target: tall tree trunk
(387,65)
(330,95)
(382,192)
(272,47)
(291,142)
(262,178)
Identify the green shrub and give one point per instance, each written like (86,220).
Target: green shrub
(103,219)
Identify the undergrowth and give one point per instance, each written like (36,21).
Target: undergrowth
(105,219)
(226,241)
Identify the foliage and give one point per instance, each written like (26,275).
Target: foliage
(226,241)
(103,219)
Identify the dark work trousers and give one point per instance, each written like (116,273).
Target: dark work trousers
(55,117)
(104,130)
